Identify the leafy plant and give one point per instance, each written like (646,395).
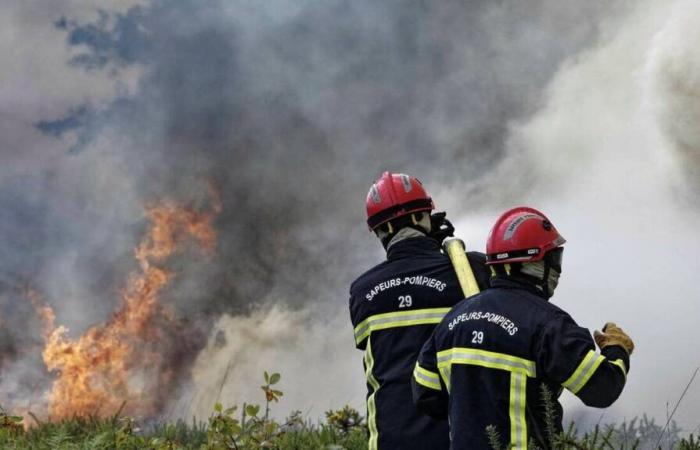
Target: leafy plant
(271,395)
(345,419)
(10,426)
(252,431)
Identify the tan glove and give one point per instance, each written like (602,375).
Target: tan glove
(613,335)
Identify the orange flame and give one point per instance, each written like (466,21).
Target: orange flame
(44,311)
(124,361)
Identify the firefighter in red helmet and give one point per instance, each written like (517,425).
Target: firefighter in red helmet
(395,306)
(496,354)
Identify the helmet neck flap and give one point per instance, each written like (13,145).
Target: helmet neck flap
(543,274)
(413,225)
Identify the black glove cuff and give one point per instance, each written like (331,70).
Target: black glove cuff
(614,352)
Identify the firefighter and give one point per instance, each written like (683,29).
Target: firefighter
(395,306)
(496,355)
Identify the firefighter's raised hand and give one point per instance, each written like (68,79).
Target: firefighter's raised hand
(613,335)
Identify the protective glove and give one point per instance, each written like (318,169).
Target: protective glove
(613,335)
(440,227)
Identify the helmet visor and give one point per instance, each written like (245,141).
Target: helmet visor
(554,257)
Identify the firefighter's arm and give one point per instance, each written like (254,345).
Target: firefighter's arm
(429,392)
(358,314)
(566,354)
(607,382)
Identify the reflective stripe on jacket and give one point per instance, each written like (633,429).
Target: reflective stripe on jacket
(489,360)
(394,307)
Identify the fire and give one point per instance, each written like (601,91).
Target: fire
(44,311)
(126,362)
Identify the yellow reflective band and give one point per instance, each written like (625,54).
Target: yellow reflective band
(516,411)
(507,269)
(484,358)
(621,364)
(426,378)
(583,372)
(398,319)
(371,401)
(445,373)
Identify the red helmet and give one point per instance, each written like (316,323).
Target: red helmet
(394,195)
(521,234)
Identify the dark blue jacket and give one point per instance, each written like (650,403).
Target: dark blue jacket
(489,360)
(394,308)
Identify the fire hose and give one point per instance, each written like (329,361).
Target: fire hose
(454,247)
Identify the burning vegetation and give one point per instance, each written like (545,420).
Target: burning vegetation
(132,361)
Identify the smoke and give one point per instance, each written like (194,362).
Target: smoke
(612,158)
(674,87)
(319,369)
(291,110)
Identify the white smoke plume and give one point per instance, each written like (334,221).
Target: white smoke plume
(612,157)
(674,86)
(319,366)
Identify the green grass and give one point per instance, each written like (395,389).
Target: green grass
(252,428)
(122,434)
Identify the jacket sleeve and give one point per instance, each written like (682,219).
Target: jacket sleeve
(357,318)
(566,354)
(429,392)
(481,271)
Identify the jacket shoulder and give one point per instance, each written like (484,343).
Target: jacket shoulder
(545,312)
(477,257)
(525,300)
(366,278)
(482,273)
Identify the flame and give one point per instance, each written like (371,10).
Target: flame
(126,361)
(44,311)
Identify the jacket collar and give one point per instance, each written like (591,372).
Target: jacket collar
(412,246)
(514,283)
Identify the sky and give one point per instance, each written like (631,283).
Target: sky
(292,109)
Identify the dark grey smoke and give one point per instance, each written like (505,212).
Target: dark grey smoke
(291,109)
